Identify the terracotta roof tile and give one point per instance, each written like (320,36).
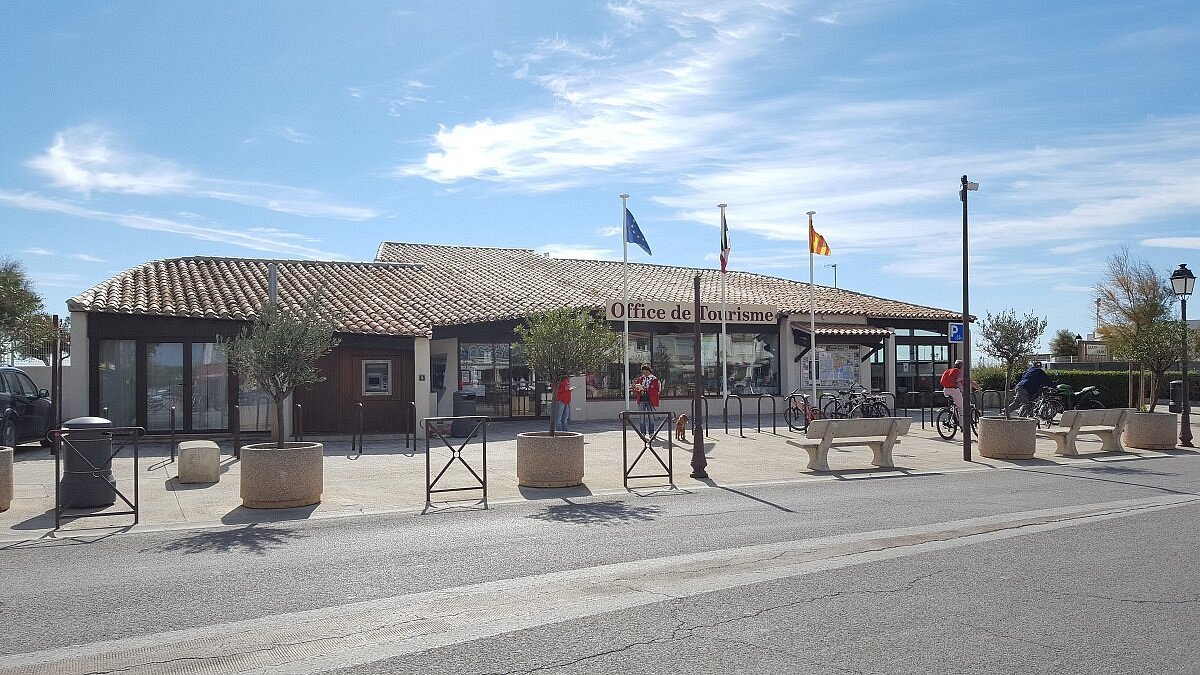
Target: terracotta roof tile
(410,288)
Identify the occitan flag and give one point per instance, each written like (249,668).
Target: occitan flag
(816,243)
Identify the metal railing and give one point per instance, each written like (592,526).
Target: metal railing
(456,455)
(648,423)
(94,473)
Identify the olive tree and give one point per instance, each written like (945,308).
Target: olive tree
(1010,338)
(279,351)
(1155,347)
(565,342)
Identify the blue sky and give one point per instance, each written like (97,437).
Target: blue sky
(135,131)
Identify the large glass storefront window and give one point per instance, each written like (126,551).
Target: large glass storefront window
(752,367)
(919,367)
(117,374)
(210,387)
(502,383)
(164,384)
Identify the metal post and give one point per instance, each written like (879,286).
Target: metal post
(1185,420)
(699,461)
(172,433)
(237,431)
(967,186)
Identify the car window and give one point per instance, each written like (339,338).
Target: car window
(3,383)
(26,385)
(10,382)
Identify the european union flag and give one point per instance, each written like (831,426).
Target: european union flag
(633,233)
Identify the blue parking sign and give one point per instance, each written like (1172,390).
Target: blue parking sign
(956,332)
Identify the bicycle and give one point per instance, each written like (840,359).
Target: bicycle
(799,408)
(947,421)
(1043,409)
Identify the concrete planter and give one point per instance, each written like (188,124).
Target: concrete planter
(1151,431)
(1001,438)
(550,461)
(282,478)
(6,478)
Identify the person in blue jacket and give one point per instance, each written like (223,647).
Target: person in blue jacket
(1028,387)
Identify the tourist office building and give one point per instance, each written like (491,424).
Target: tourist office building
(423,321)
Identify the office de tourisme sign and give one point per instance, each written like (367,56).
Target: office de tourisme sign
(679,312)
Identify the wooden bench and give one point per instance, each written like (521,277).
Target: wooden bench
(1107,423)
(878,433)
(199,462)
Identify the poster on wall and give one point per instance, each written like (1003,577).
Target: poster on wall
(838,366)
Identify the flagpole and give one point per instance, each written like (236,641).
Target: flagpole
(625,297)
(812,313)
(724,333)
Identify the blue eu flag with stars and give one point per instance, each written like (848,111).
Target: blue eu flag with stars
(633,233)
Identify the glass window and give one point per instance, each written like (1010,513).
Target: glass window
(210,387)
(164,384)
(674,364)
(376,378)
(117,374)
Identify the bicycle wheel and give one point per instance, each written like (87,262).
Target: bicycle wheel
(789,417)
(881,410)
(1053,408)
(833,409)
(947,424)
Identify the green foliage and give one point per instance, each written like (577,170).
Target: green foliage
(20,308)
(1063,343)
(566,342)
(1009,338)
(989,377)
(1155,347)
(279,351)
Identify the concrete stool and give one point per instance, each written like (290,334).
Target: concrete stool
(199,462)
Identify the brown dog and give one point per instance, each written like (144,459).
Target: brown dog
(681,423)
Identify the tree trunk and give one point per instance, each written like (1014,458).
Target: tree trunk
(277,432)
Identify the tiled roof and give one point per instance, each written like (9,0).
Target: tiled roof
(855,329)
(366,297)
(516,281)
(411,288)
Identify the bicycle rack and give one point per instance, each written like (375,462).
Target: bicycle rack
(357,437)
(172,433)
(793,400)
(480,429)
(297,422)
(412,426)
(725,409)
(774,411)
(62,442)
(236,425)
(648,419)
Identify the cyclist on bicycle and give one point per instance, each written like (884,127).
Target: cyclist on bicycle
(952,387)
(1028,387)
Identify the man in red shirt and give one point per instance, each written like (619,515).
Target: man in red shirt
(952,387)
(564,404)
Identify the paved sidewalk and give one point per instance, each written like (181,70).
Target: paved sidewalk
(387,476)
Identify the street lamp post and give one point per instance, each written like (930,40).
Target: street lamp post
(1182,283)
(834,266)
(965,422)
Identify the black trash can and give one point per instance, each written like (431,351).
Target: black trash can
(1176,396)
(87,464)
(464,406)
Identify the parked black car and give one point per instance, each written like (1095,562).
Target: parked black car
(24,409)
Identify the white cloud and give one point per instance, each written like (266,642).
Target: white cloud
(37,250)
(88,258)
(1172,242)
(292,135)
(269,242)
(85,159)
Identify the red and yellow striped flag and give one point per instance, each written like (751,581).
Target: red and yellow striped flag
(816,243)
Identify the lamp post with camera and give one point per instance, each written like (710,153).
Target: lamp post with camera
(965,423)
(1182,283)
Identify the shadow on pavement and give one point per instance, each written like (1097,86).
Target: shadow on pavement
(597,513)
(65,538)
(244,516)
(253,538)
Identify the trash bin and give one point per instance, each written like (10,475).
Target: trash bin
(87,464)
(464,406)
(1176,396)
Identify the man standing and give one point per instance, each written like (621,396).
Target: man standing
(646,389)
(1028,387)
(563,393)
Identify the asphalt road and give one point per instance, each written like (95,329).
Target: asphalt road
(1090,568)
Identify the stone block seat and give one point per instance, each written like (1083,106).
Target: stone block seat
(199,462)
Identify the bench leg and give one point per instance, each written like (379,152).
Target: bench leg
(818,456)
(881,454)
(1112,442)
(1065,446)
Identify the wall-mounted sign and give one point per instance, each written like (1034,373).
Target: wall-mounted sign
(680,312)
